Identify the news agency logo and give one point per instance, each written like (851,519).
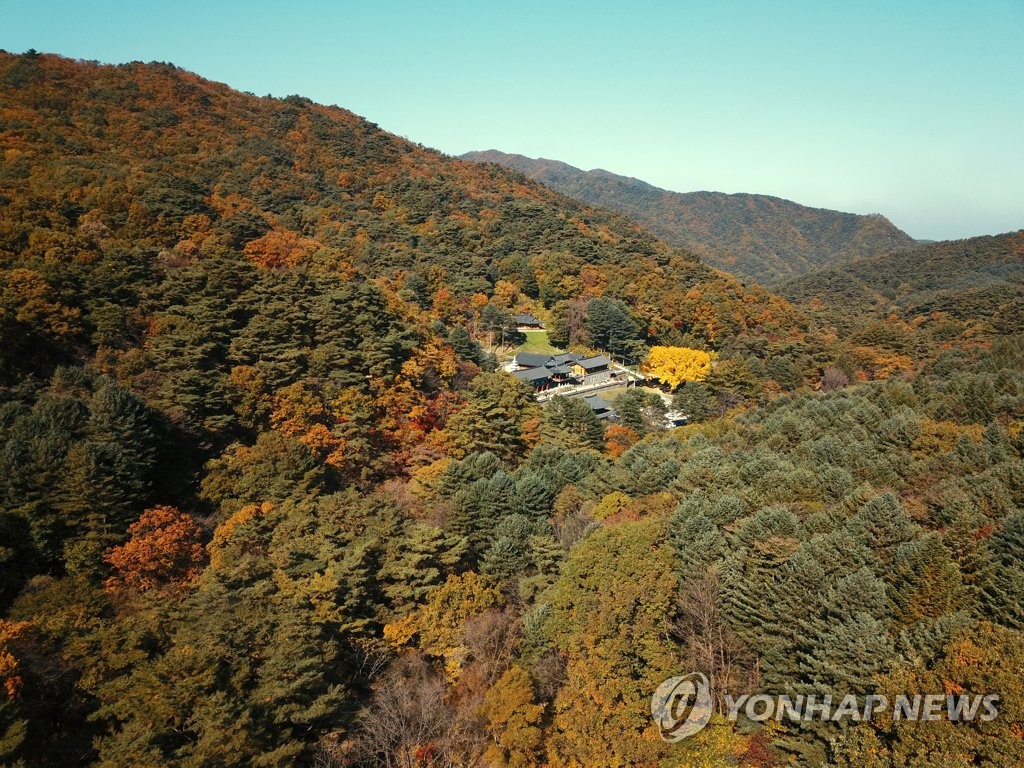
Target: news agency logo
(681,706)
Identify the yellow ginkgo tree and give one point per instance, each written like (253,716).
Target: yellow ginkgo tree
(675,365)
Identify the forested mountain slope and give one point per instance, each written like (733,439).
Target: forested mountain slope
(976,283)
(263,500)
(162,159)
(756,237)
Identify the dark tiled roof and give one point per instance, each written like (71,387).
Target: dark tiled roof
(532,359)
(565,357)
(598,361)
(535,360)
(598,403)
(527,320)
(533,374)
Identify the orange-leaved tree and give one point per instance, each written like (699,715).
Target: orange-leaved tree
(280,248)
(27,297)
(164,550)
(618,439)
(10,678)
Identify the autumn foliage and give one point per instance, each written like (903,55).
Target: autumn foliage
(278,317)
(280,248)
(163,550)
(10,679)
(674,366)
(619,438)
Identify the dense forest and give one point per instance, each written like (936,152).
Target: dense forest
(265,499)
(965,282)
(755,237)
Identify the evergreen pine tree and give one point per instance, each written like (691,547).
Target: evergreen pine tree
(533,496)
(1004,593)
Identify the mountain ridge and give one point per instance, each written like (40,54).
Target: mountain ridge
(964,280)
(756,237)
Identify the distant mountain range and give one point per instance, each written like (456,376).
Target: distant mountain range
(755,237)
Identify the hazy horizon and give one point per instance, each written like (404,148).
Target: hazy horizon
(868,109)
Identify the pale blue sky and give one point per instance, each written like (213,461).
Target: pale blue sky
(911,108)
